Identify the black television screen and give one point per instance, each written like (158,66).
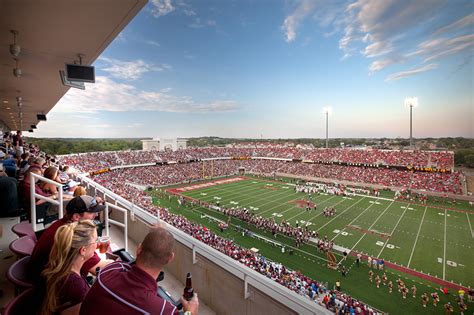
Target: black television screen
(80,73)
(41,117)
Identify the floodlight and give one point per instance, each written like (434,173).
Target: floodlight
(41,117)
(411,101)
(327,110)
(33,126)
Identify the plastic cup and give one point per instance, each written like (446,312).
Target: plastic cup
(103,244)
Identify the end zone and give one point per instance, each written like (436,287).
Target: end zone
(205,185)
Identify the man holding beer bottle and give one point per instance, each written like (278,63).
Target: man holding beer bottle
(124,289)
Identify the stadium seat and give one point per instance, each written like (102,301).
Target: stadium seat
(23,246)
(23,304)
(9,206)
(24,229)
(17,274)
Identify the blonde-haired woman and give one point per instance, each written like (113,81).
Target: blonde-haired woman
(66,288)
(80,191)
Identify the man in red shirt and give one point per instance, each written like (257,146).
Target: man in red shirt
(124,289)
(79,208)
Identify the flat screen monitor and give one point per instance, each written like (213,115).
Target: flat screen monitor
(80,73)
(41,117)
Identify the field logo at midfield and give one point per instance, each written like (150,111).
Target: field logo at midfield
(301,203)
(208,184)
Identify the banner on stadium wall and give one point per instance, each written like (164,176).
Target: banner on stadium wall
(105,170)
(241,158)
(428,169)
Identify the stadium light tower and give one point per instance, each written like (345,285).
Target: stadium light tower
(327,110)
(411,102)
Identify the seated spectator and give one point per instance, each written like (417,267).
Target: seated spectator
(9,165)
(66,288)
(25,194)
(79,208)
(23,165)
(38,162)
(63,174)
(124,289)
(51,173)
(8,195)
(80,191)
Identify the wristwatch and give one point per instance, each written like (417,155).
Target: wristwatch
(188,313)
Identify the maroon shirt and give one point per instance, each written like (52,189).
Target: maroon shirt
(73,291)
(40,256)
(124,289)
(24,190)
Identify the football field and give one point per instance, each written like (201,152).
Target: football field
(435,241)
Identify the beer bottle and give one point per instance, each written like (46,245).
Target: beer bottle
(188,289)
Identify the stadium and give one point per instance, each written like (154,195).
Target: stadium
(264,227)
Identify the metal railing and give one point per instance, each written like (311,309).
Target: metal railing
(34,196)
(108,221)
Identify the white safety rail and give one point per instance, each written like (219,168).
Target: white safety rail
(298,303)
(34,196)
(124,225)
(108,194)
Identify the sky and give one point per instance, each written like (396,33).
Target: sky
(267,68)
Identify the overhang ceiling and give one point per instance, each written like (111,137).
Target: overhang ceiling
(52,33)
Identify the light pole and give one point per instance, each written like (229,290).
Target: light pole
(411,102)
(327,111)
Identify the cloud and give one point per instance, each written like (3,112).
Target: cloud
(189,12)
(152,43)
(387,30)
(130,70)
(381,24)
(464,22)
(109,95)
(409,73)
(161,7)
(380,64)
(292,22)
(189,56)
(198,23)
(121,38)
(442,47)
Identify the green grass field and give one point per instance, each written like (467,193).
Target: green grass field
(434,240)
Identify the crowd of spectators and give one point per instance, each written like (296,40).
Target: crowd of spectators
(167,174)
(440,160)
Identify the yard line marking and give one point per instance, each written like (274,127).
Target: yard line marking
(470,227)
(416,239)
(349,222)
(386,242)
(224,190)
(274,208)
(227,194)
(342,213)
(363,235)
(444,259)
